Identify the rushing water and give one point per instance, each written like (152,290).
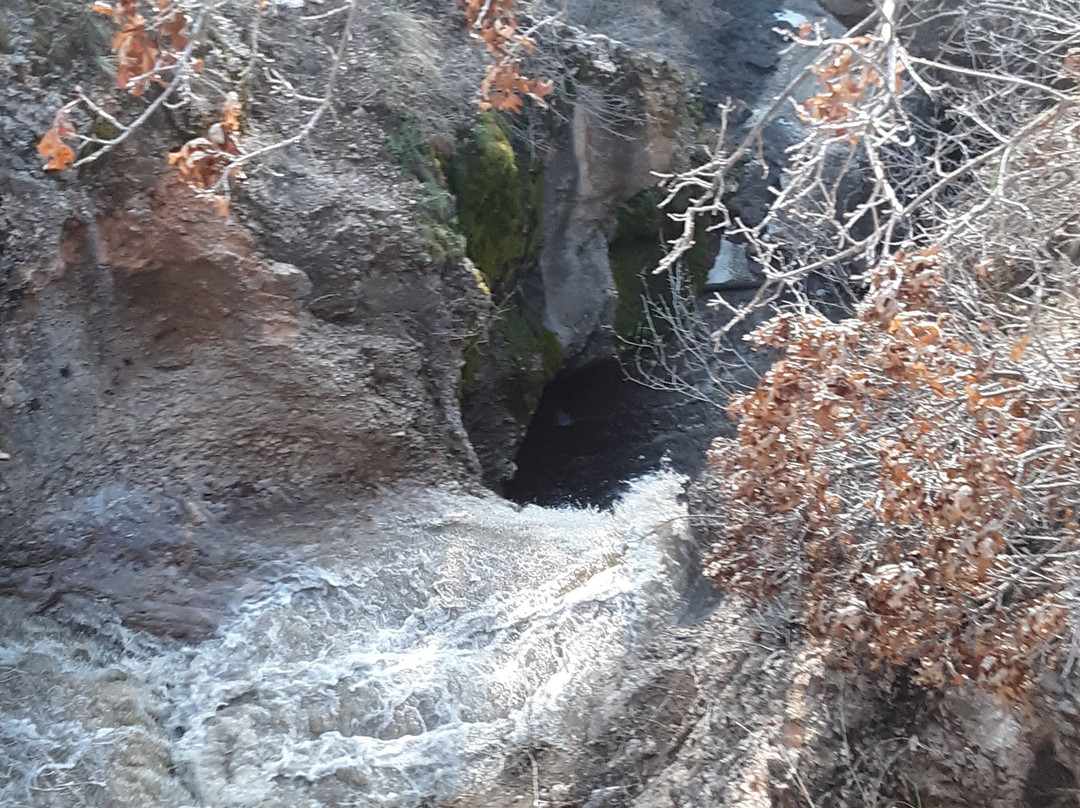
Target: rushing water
(395,660)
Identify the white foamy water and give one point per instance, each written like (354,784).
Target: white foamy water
(396,661)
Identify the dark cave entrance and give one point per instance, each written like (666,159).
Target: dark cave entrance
(1050,784)
(595,430)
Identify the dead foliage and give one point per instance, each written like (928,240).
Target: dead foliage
(494,23)
(906,475)
(906,487)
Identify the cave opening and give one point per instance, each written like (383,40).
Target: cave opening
(595,430)
(1050,784)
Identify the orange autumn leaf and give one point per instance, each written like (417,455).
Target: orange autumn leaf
(59,155)
(173,24)
(233,110)
(540,88)
(504,87)
(51,147)
(204,163)
(141,49)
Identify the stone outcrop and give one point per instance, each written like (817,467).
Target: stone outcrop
(732,269)
(305,344)
(627,119)
(630,117)
(629,123)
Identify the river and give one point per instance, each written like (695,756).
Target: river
(396,655)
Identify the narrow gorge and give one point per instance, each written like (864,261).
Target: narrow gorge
(354,495)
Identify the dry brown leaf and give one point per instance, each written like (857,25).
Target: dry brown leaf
(52,148)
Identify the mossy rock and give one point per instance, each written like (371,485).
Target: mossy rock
(493,217)
(498,191)
(435,217)
(471,368)
(498,201)
(527,340)
(529,356)
(637,248)
(535,355)
(413,153)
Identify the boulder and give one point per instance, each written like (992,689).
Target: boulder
(733,269)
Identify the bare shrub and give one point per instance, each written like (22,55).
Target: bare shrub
(910,475)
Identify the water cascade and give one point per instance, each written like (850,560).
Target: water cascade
(397,656)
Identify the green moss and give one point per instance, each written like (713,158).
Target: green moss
(535,356)
(493,217)
(481,283)
(471,369)
(498,192)
(104,129)
(531,357)
(636,249)
(641,232)
(527,340)
(434,213)
(412,152)
(498,201)
(551,354)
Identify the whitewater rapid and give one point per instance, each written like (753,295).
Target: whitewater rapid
(399,656)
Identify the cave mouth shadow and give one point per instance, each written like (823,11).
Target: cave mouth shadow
(595,430)
(1050,784)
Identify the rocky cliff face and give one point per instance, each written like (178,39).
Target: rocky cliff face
(306,343)
(626,118)
(178,301)
(629,124)
(314,340)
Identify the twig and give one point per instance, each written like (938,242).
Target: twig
(537,803)
(183,67)
(313,120)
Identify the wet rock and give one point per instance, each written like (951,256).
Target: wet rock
(608,151)
(732,269)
